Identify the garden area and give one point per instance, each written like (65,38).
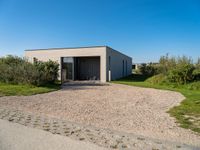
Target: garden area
(20,77)
(179,74)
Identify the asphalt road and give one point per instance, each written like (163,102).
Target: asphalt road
(17,137)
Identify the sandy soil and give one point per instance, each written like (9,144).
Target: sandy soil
(131,109)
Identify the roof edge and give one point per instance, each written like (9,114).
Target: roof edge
(119,52)
(64,48)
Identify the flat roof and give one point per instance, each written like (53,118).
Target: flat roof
(75,48)
(64,48)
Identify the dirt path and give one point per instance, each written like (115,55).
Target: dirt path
(124,108)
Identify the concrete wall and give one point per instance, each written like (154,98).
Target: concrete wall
(116,64)
(56,54)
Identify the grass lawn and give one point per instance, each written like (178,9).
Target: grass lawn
(187,113)
(10,89)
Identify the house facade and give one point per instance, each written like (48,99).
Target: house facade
(85,63)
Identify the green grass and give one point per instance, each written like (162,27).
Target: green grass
(11,90)
(187,113)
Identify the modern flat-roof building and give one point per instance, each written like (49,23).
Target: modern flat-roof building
(86,63)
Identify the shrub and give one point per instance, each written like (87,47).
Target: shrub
(194,86)
(148,69)
(196,74)
(157,79)
(48,71)
(166,63)
(181,74)
(177,70)
(182,71)
(14,69)
(196,71)
(18,70)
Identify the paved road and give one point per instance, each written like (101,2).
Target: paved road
(17,137)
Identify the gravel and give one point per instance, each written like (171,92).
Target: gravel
(107,138)
(141,111)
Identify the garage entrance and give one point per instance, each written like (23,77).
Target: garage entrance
(80,68)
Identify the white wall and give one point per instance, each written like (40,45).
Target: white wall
(56,54)
(116,65)
(104,53)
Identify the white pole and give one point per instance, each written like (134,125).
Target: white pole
(109,75)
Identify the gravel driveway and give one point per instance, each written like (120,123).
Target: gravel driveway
(125,108)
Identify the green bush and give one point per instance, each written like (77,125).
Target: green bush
(148,69)
(157,79)
(15,70)
(166,63)
(181,74)
(48,71)
(196,71)
(177,70)
(194,86)
(18,70)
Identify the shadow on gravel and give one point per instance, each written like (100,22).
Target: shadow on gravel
(81,85)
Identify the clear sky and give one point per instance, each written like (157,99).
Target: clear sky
(142,29)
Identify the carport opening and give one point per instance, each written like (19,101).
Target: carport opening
(80,68)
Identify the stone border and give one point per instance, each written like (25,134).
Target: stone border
(102,137)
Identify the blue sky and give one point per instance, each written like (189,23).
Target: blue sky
(143,29)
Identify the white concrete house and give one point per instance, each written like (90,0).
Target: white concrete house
(86,63)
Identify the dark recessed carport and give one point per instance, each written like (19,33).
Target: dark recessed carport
(87,68)
(80,68)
